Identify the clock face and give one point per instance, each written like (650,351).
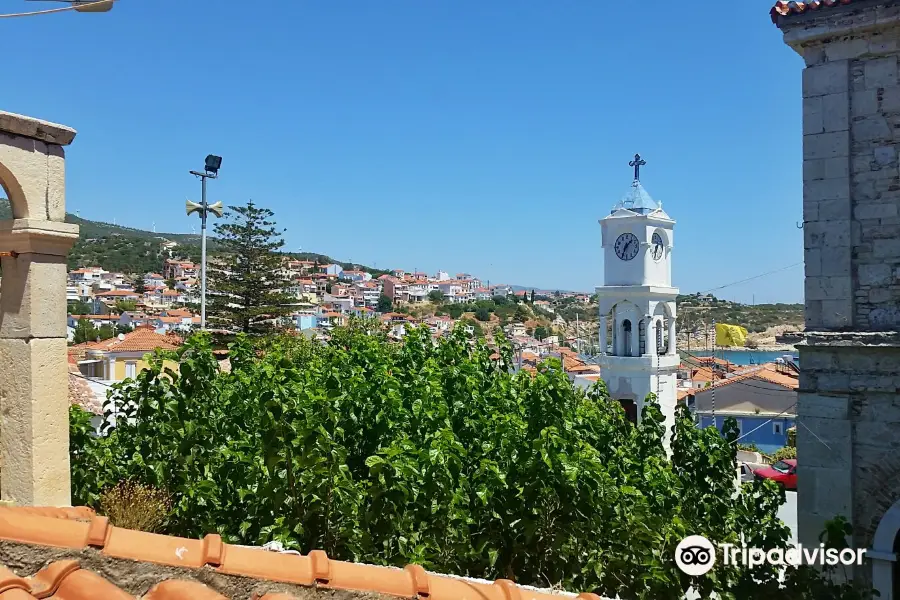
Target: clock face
(627,246)
(656,246)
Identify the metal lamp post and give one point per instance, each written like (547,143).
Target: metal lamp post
(211,171)
(82,6)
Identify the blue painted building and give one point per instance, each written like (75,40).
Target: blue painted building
(306,322)
(765,432)
(762,399)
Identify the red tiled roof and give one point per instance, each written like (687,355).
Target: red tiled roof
(786,8)
(77,529)
(142,339)
(118,293)
(767,372)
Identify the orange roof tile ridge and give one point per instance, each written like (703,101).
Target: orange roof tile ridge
(49,526)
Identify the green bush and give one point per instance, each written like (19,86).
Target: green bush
(783,453)
(435,454)
(482,314)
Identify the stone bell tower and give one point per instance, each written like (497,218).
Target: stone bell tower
(637,303)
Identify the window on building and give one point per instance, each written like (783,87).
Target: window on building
(630,409)
(130,369)
(776,428)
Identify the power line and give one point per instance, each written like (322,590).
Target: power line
(721,287)
(766,423)
(72,6)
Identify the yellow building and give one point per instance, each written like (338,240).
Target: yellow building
(123,357)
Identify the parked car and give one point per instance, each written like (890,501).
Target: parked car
(745,472)
(784,473)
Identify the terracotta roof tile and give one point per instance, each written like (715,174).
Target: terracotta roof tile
(785,8)
(142,339)
(67,580)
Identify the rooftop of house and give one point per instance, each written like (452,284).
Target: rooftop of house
(117,293)
(766,389)
(142,339)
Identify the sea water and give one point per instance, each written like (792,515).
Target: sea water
(746,357)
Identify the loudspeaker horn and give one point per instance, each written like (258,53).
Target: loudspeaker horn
(192,207)
(217,209)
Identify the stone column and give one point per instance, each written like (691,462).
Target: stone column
(34,390)
(34,383)
(636,337)
(602,335)
(672,342)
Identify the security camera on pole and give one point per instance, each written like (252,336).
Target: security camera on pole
(211,171)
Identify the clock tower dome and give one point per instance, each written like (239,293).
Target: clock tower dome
(637,304)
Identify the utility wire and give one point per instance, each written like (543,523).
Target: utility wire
(48,11)
(722,287)
(766,423)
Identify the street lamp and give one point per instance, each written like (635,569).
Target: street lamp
(93,5)
(83,6)
(211,171)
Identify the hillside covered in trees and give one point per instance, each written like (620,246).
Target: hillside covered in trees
(130,250)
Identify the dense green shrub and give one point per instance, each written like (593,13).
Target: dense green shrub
(436,454)
(786,452)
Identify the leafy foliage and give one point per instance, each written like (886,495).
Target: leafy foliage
(434,453)
(78,307)
(85,331)
(786,452)
(385,304)
(247,285)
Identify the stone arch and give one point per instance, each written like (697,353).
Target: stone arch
(883,554)
(663,326)
(34,385)
(621,311)
(14,192)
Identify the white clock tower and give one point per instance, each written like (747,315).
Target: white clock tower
(637,304)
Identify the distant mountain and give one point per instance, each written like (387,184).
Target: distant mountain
(133,251)
(538,290)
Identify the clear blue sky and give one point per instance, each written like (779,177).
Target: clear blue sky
(462,135)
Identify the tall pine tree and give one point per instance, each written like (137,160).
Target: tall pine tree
(140,283)
(246,280)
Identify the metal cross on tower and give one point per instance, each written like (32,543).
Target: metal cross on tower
(637,163)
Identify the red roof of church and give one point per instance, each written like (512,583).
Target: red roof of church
(786,8)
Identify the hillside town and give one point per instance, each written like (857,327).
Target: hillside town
(130,319)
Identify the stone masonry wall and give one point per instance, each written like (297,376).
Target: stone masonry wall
(849,398)
(851,189)
(848,444)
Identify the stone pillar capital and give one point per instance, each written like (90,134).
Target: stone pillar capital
(33,236)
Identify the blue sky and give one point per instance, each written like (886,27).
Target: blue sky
(462,135)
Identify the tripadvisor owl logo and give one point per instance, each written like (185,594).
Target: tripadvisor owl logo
(695,555)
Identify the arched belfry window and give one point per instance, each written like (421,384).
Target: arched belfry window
(626,337)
